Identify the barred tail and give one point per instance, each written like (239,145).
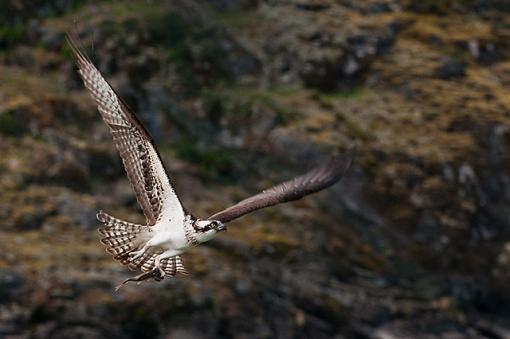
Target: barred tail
(121,237)
(171,266)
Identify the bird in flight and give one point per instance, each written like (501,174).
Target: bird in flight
(155,248)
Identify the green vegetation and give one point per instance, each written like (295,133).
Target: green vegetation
(9,125)
(348,93)
(170,30)
(10,35)
(442,6)
(240,20)
(214,163)
(239,103)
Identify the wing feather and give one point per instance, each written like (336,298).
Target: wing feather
(141,160)
(311,182)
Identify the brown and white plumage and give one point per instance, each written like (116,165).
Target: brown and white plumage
(155,248)
(311,182)
(140,158)
(143,166)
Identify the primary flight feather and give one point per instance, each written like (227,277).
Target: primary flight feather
(155,248)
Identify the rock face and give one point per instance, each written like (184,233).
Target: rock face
(238,95)
(321,49)
(450,68)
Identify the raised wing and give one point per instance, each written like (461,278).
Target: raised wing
(141,160)
(311,182)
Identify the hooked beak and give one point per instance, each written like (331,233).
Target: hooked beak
(221,227)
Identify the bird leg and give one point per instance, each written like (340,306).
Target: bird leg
(157,266)
(137,254)
(157,261)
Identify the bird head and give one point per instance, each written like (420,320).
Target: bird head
(207,229)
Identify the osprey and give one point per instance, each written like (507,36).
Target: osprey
(156,248)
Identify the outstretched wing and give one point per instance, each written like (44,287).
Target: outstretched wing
(141,160)
(311,182)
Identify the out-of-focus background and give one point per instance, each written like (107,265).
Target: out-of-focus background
(239,95)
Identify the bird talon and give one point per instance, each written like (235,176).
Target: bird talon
(158,274)
(136,254)
(157,267)
(158,271)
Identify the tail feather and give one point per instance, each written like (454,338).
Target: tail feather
(146,260)
(123,259)
(120,237)
(173,265)
(147,264)
(117,227)
(118,240)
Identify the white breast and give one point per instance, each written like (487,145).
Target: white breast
(169,235)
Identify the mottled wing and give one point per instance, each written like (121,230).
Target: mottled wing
(141,160)
(311,182)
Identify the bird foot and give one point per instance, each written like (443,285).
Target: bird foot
(159,271)
(136,254)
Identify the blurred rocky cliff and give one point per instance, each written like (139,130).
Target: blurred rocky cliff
(239,95)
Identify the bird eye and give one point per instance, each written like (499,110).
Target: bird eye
(214,224)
